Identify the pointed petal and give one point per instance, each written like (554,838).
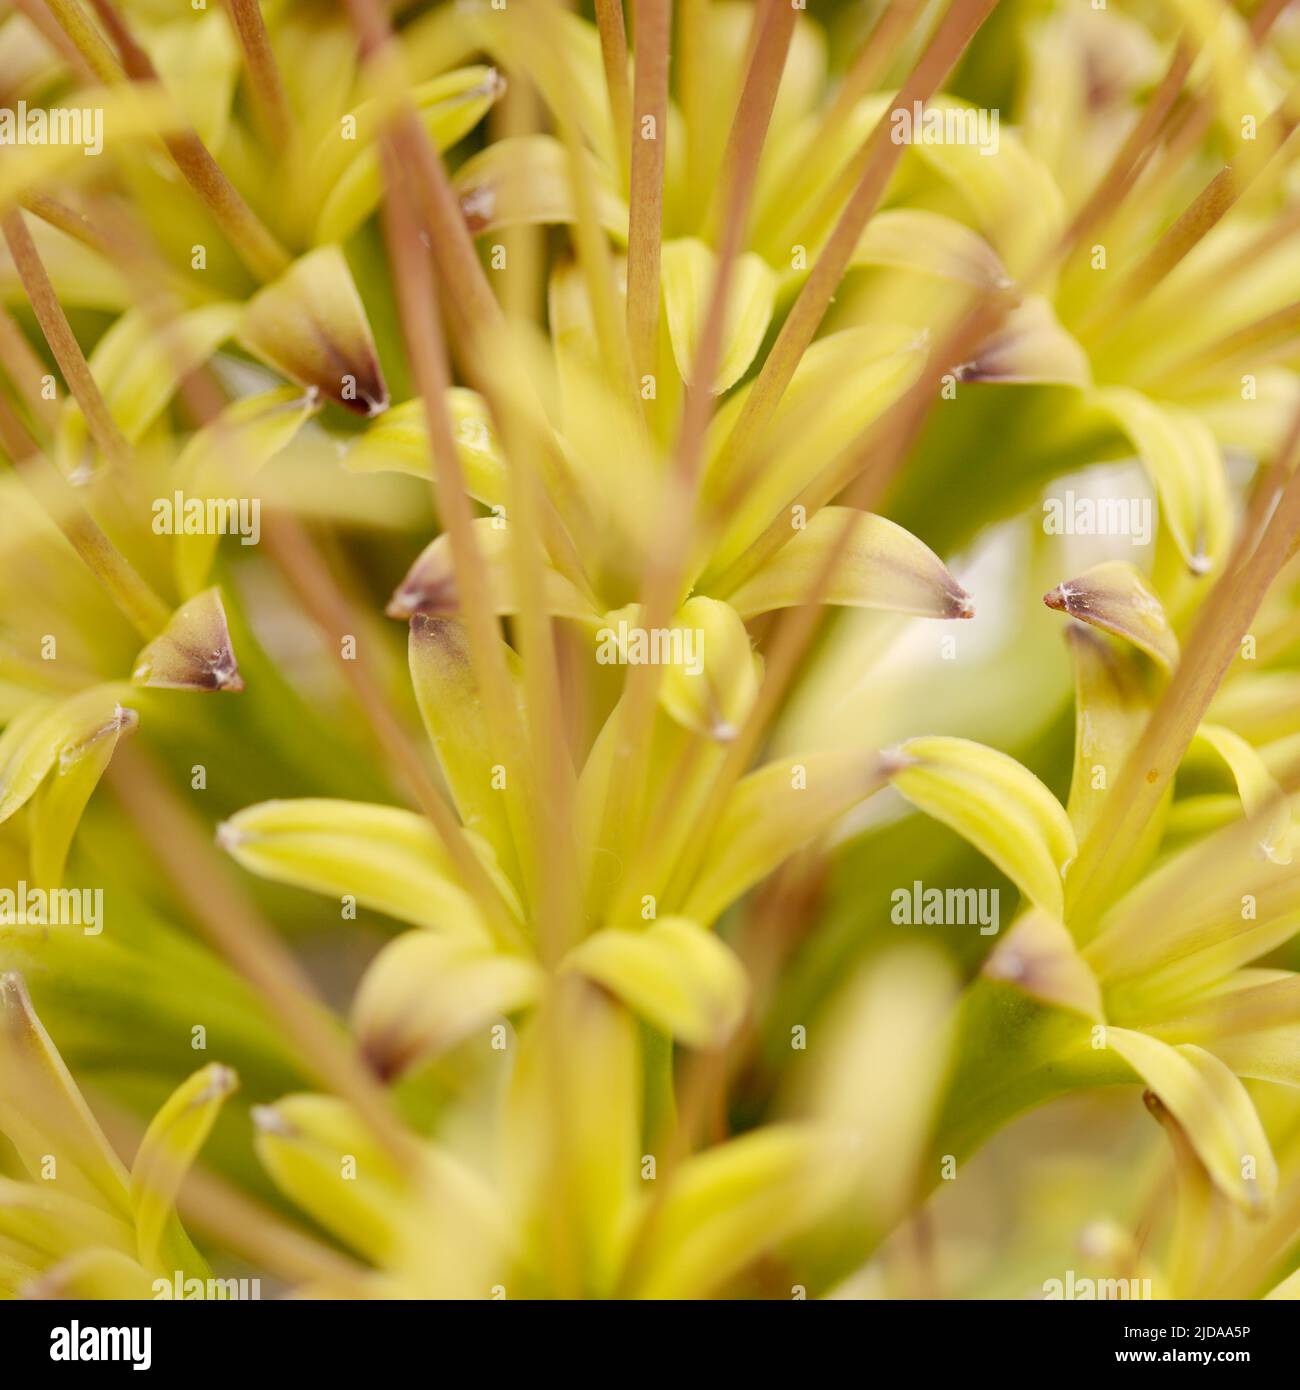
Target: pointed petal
(61,800)
(1038,956)
(524,180)
(194,650)
(449,107)
(430,585)
(1260,794)
(311,325)
(1112,702)
(169,1147)
(35,740)
(1030,346)
(399,442)
(446,690)
(42,1112)
(138,368)
(913,239)
(1115,597)
(880,566)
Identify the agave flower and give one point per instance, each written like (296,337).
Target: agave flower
(661,334)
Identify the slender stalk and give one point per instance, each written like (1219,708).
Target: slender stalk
(254,244)
(1206,211)
(801,166)
(653,34)
(63,342)
(879,157)
(25,370)
(86,39)
(263,71)
(613,53)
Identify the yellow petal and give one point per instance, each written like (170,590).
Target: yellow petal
(447,692)
(1214,1110)
(430,584)
(524,180)
(43,1114)
(998,805)
(399,442)
(678,976)
(1180,454)
(423,994)
(688,268)
(711,685)
(44,731)
(1260,794)
(169,1147)
(879,566)
(773,812)
(386,858)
